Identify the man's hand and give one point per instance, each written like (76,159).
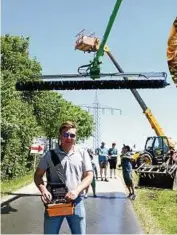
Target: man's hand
(46,196)
(72,195)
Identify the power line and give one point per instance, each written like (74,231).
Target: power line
(95,110)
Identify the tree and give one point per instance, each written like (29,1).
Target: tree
(82,118)
(26,115)
(18,123)
(54,110)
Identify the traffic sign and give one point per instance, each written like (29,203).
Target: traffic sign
(36,148)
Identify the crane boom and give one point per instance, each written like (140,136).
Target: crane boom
(134,91)
(95,64)
(151,118)
(93,47)
(154,124)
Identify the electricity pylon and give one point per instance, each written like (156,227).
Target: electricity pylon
(95,110)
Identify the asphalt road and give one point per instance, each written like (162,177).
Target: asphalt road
(111,212)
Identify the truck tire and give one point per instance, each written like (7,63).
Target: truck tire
(144,158)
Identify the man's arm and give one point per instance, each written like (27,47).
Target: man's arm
(109,152)
(97,151)
(96,171)
(38,179)
(86,181)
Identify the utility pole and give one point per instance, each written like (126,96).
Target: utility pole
(95,110)
(97,133)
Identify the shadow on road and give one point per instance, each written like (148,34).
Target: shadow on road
(107,196)
(7,209)
(25,194)
(15,197)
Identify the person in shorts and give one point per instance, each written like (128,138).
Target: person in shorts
(112,154)
(126,158)
(102,153)
(95,176)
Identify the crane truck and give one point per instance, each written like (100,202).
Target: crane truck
(161,171)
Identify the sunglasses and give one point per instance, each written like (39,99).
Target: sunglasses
(67,135)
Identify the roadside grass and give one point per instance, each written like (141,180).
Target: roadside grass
(156,209)
(8,186)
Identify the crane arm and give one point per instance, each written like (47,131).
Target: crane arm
(95,64)
(154,124)
(151,118)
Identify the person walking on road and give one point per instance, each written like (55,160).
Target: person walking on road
(102,153)
(113,154)
(126,164)
(95,176)
(75,164)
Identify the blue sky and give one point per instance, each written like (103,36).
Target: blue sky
(138,41)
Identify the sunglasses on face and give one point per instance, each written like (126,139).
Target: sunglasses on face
(67,135)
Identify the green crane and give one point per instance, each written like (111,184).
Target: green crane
(95,64)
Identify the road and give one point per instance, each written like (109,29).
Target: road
(111,212)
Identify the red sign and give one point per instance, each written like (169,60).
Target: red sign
(36,148)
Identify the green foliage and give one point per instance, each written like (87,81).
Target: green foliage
(25,115)
(47,106)
(9,186)
(53,110)
(81,117)
(160,208)
(18,124)
(15,58)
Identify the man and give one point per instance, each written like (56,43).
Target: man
(112,153)
(173,159)
(102,153)
(173,154)
(95,175)
(126,158)
(78,173)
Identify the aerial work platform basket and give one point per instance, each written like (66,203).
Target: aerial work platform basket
(86,42)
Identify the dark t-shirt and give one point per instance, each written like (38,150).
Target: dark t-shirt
(126,162)
(112,152)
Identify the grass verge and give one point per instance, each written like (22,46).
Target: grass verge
(9,186)
(156,209)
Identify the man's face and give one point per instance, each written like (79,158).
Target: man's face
(68,137)
(124,150)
